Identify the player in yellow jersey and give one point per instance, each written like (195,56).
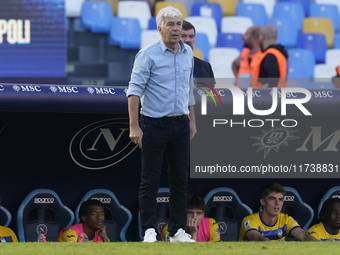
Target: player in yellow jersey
(7,234)
(200,228)
(329,226)
(270,224)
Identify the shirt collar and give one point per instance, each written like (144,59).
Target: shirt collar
(164,47)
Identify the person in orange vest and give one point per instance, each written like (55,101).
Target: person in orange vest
(243,65)
(271,69)
(336,79)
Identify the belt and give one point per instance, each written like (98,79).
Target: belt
(173,119)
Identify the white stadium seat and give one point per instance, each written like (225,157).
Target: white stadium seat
(148,37)
(333,57)
(268,5)
(135,9)
(324,71)
(205,25)
(221,60)
(235,24)
(73,8)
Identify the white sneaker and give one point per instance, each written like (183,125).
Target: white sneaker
(150,236)
(181,237)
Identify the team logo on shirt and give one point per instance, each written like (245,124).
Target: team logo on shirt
(279,233)
(274,138)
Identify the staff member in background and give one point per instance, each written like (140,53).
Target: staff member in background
(271,69)
(7,234)
(161,80)
(329,226)
(243,66)
(202,69)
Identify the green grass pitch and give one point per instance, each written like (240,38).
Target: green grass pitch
(160,248)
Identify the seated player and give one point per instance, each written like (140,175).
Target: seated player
(91,227)
(270,224)
(328,228)
(200,228)
(7,234)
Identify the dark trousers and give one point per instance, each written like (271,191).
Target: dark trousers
(169,136)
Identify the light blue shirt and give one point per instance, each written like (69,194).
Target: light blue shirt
(163,80)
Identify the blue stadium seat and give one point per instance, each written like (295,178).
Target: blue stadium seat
(331,193)
(96,16)
(152,24)
(301,63)
(305,4)
(202,43)
(125,32)
(326,11)
(5,216)
(256,12)
(336,41)
(42,212)
(117,217)
(163,212)
(205,9)
(224,205)
(314,42)
(231,40)
(287,34)
(292,11)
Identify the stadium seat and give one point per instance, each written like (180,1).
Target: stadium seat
(202,43)
(114,4)
(320,25)
(326,11)
(256,12)
(135,9)
(292,11)
(301,63)
(42,212)
(268,5)
(117,217)
(188,4)
(335,2)
(324,71)
(179,5)
(333,192)
(221,60)
(125,32)
(148,37)
(163,212)
(336,41)
(314,42)
(152,24)
(5,216)
(228,6)
(333,57)
(205,25)
(224,205)
(205,9)
(287,34)
(96,16)
(198,54)
(305,4)
(230,40)
(73,8)
(235,24)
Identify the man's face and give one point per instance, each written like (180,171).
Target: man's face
(188,37)
(272,204)
(247,43)
(333,219)
(95,217)
(196,214)
(171,31)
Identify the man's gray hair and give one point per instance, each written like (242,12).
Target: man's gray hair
(167,12)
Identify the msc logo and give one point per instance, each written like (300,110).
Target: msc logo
(289,198)
(104,200)
(162,199)
(64,89)
(101,91)
(44,200)
(101,144)
(222,198)
(26,88)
